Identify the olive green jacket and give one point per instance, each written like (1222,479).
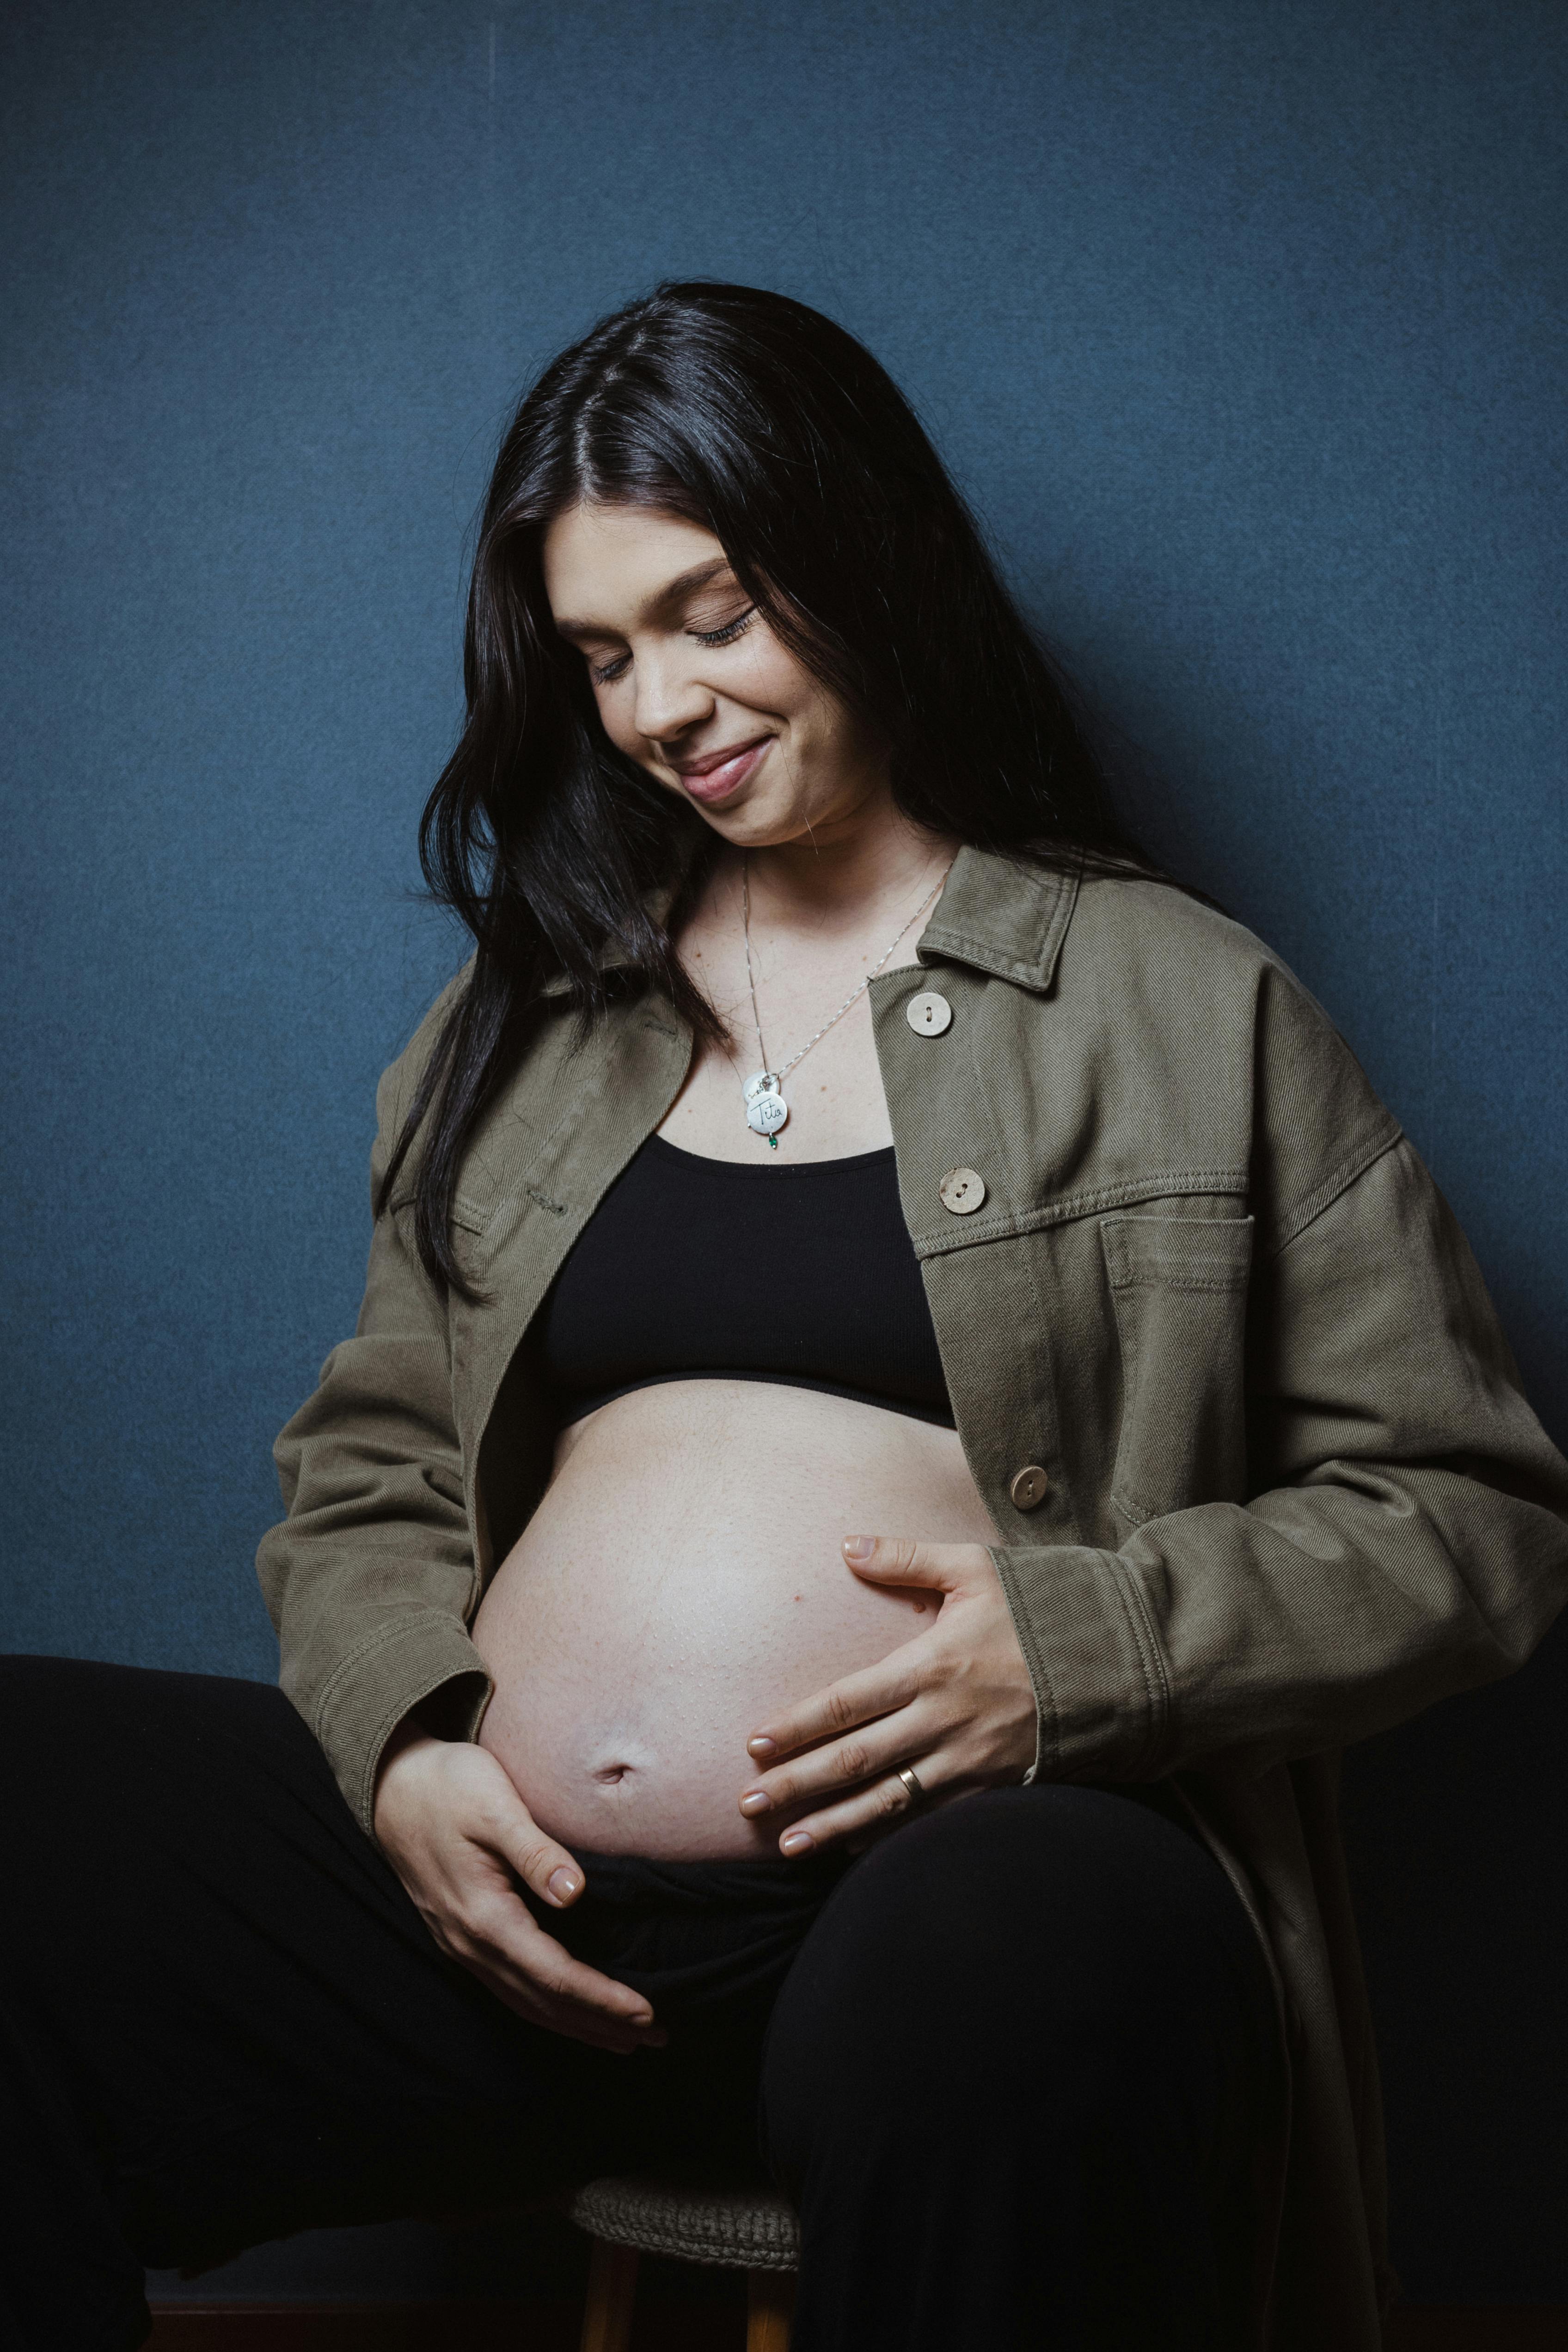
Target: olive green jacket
(1293,1490)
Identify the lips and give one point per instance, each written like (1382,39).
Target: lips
(718,774)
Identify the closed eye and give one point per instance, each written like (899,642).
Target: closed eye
(605,673)
(728,633)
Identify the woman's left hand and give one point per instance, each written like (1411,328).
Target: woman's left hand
(955,1706)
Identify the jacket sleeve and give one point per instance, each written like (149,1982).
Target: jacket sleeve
(371,1578)
(1404,1538)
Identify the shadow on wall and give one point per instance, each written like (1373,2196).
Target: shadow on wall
(1455,1830)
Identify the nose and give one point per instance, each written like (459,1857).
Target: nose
(671,698)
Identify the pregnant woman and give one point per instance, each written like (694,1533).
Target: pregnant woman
(909,1401)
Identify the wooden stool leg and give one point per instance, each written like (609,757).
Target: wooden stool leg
(612,2292)
(770,2310)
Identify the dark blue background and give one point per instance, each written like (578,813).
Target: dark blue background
(1243,328)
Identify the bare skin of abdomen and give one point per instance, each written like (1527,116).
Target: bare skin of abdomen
(683,1581)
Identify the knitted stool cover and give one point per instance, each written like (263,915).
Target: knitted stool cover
(740,2229)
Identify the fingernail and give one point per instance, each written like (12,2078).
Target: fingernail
(859,1547)
(797,1842)
(640,2017)
(563,1884)
(762,1746)
(756,1801)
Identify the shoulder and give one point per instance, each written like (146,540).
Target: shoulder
(1143,942)
(399,1081)
(1198,1003)
(1144,934)
(1168,970)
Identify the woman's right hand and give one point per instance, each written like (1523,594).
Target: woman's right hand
(454,1828)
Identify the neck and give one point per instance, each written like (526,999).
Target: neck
(873,860)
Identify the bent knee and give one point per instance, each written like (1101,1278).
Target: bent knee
(1077,1911)
(1060,1953)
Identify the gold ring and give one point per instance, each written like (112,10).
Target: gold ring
(913,1787)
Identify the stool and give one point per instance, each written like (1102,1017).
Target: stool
(745,2230)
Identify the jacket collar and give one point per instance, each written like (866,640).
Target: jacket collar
(999,916)
(1003,917)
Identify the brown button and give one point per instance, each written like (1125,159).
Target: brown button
(929,1015)
(962,1191)
(1029,1487)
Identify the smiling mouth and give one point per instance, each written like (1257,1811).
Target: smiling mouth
(717,775)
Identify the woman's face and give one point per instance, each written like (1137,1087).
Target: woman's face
(694,684)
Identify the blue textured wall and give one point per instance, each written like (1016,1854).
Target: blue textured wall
(1242,325)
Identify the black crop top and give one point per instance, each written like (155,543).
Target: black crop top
(702,1269)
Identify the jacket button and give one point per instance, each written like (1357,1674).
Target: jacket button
(929,1015)
(962,1191)
(1029,1487)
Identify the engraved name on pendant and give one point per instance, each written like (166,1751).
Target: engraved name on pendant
(766,1112)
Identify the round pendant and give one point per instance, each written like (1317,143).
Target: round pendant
(766,1113)
(762,1082)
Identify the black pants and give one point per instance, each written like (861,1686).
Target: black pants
(1013,2065)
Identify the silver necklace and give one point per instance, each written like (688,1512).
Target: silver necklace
(766,1109)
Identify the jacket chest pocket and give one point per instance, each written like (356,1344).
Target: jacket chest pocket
(1178,1285)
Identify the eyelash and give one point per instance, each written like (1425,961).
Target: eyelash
(724,636)
(728,633)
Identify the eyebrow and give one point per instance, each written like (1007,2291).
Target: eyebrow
(672,592)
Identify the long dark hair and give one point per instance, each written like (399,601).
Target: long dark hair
(774,429)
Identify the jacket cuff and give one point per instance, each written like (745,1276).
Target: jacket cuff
(1100,1688)
(369,1692)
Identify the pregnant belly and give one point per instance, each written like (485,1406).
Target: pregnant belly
(681,1581)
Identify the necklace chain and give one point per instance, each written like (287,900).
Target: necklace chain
(856,994)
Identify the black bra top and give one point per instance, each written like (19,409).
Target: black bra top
(702,1269)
